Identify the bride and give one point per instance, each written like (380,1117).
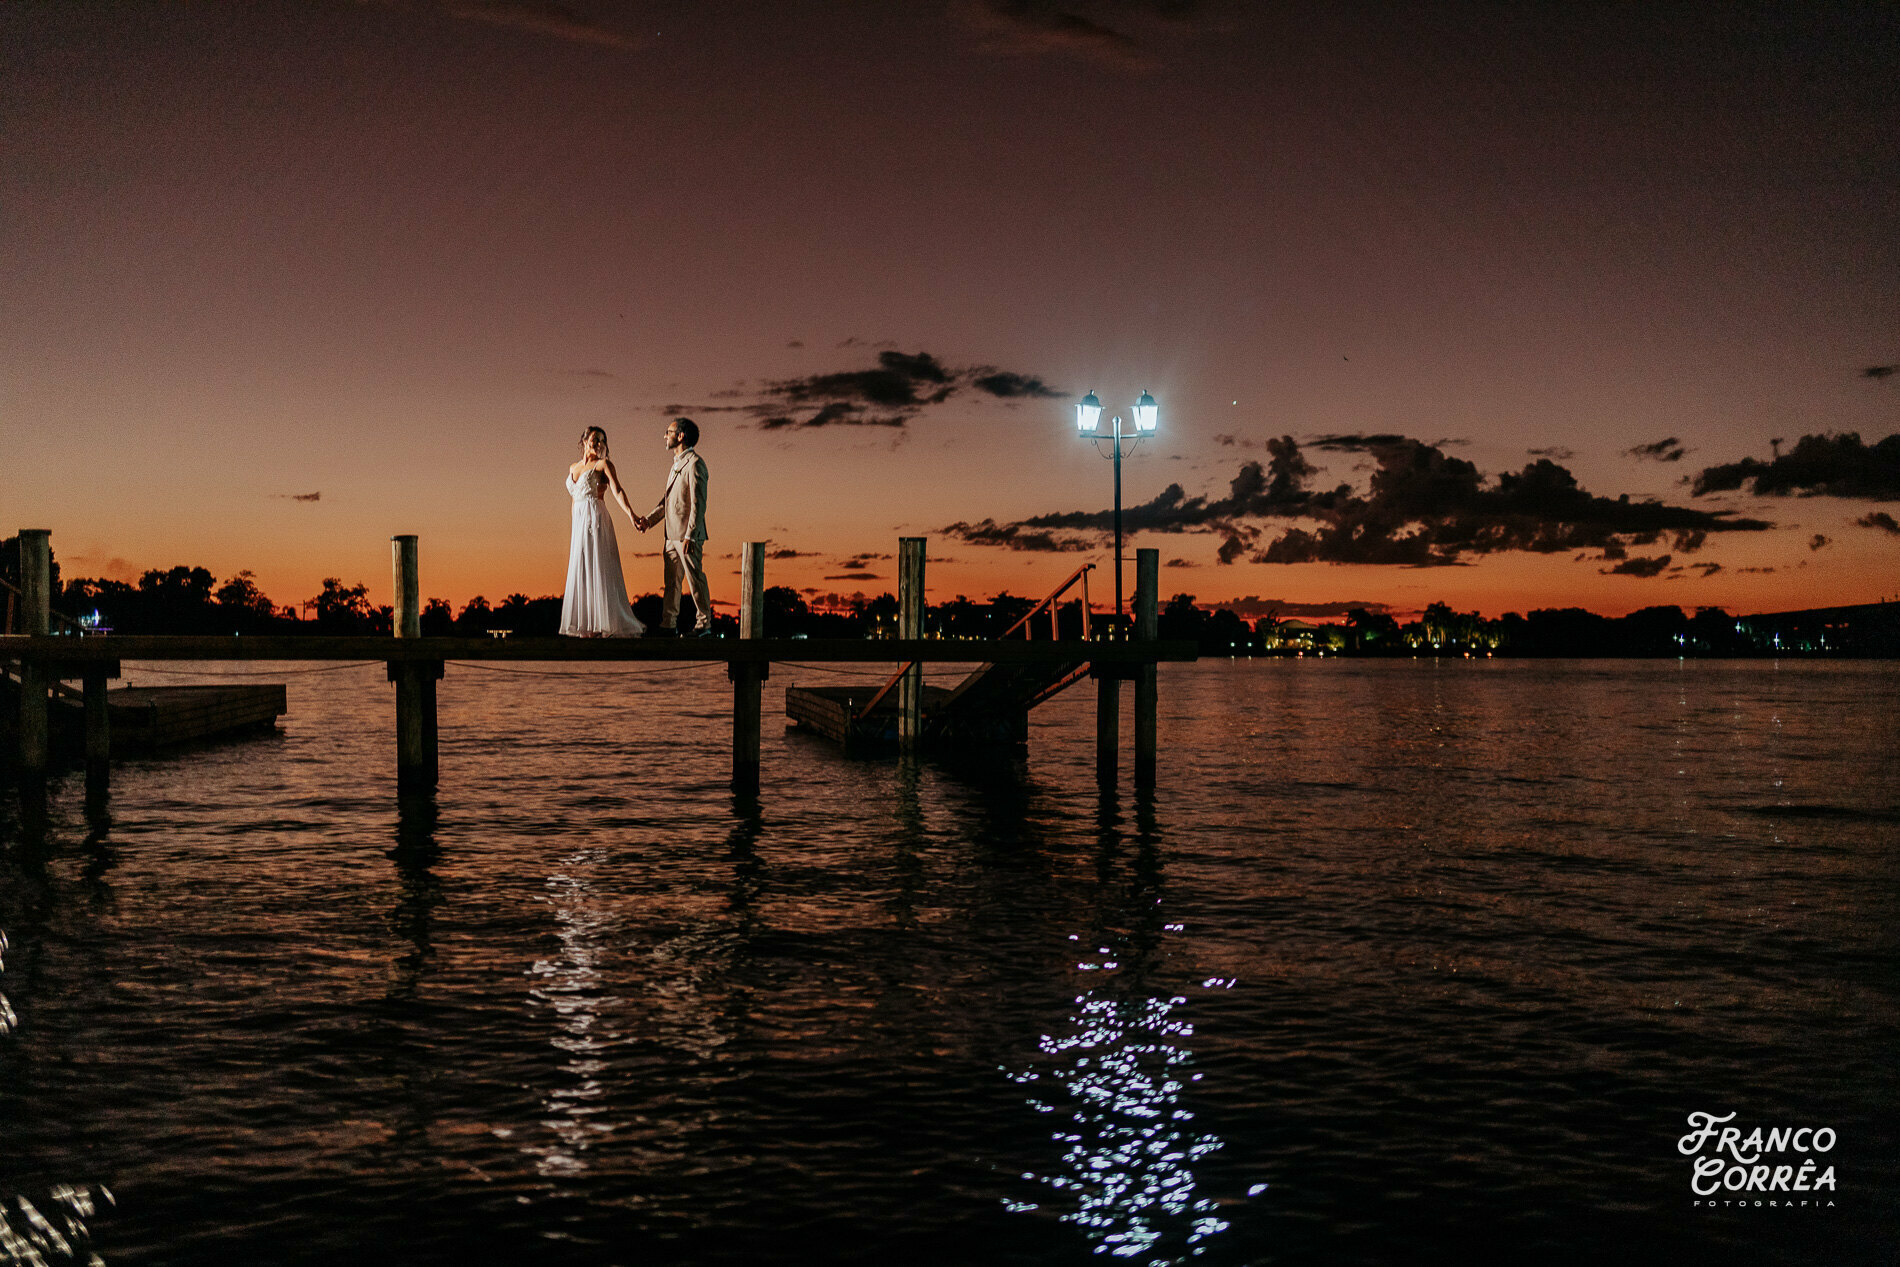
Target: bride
(595,605)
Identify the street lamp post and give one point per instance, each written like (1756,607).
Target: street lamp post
(1088,418)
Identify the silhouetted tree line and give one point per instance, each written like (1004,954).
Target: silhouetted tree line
(190,600)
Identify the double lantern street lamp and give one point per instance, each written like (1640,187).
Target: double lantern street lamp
(1088,418)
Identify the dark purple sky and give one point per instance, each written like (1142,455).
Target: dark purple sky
(399,254)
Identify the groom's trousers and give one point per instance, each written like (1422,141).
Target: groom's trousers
(683,565)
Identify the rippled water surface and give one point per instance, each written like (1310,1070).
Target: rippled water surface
(1402,959)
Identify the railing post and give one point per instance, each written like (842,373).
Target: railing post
(416,759)
(1147,629)
(748,678)
(910,624)
(36,619)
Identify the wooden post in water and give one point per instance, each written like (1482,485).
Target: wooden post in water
(1147,629)
(1108,722)
(36,619)
(416,766)
(98,730)
(748,680)
(910,624)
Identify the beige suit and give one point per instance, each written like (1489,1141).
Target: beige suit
(684,504)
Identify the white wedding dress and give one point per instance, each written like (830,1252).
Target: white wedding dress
(596,600)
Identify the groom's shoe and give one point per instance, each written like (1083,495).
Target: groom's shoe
(704,631)
(663,631)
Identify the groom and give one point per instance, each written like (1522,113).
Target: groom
(683,505)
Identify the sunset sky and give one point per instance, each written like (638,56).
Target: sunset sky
(284,279)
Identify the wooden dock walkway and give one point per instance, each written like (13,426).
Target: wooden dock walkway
(416,664)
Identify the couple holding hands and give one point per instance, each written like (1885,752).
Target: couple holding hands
(595,604)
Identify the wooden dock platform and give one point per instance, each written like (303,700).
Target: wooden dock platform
(838,713)
(150,718)
(1011,675)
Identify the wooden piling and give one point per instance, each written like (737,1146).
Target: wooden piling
(416,760)
(748,679)
(1108,725)
(910,624)
(36,620)
(407,583)
(1147,629)
(98,729)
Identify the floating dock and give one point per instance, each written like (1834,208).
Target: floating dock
(147,719)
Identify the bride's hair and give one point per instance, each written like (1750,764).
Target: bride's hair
(590,433)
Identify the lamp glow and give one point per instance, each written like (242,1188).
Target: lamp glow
(1147,413)
(1088,412)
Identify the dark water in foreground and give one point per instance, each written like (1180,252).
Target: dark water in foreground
(1403,960)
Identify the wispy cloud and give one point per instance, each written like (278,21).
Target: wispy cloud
(1638,567)
(1817,466)
(297,497)
(1666,450)
(897,388)
(1879,519)
(1116,33)
(555,21)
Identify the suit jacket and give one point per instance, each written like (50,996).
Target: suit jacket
(685,498)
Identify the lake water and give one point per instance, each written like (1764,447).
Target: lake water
(1402,960)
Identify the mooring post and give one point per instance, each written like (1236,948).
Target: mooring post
(416,767)
(1147,629)
(98,729)
(36,619)
(910,624)
(748,678)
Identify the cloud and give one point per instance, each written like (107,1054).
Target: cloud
(1666,450)
(1707,569)
(298,497)
(855,576)
(541,18)
(1180,563)
(1007,385)
(899,387)
(1014,537)
(788,553)
(1817,466)
(1819,542)
(1878,519)
(1638,567)
(1555,454)
(795,343)
(1879,371)
(859,562)
(1423,508)
(1029,27)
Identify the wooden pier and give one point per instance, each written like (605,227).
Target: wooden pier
(416,664)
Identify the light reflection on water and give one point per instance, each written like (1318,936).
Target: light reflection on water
(1126,1176)
(587,1007)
